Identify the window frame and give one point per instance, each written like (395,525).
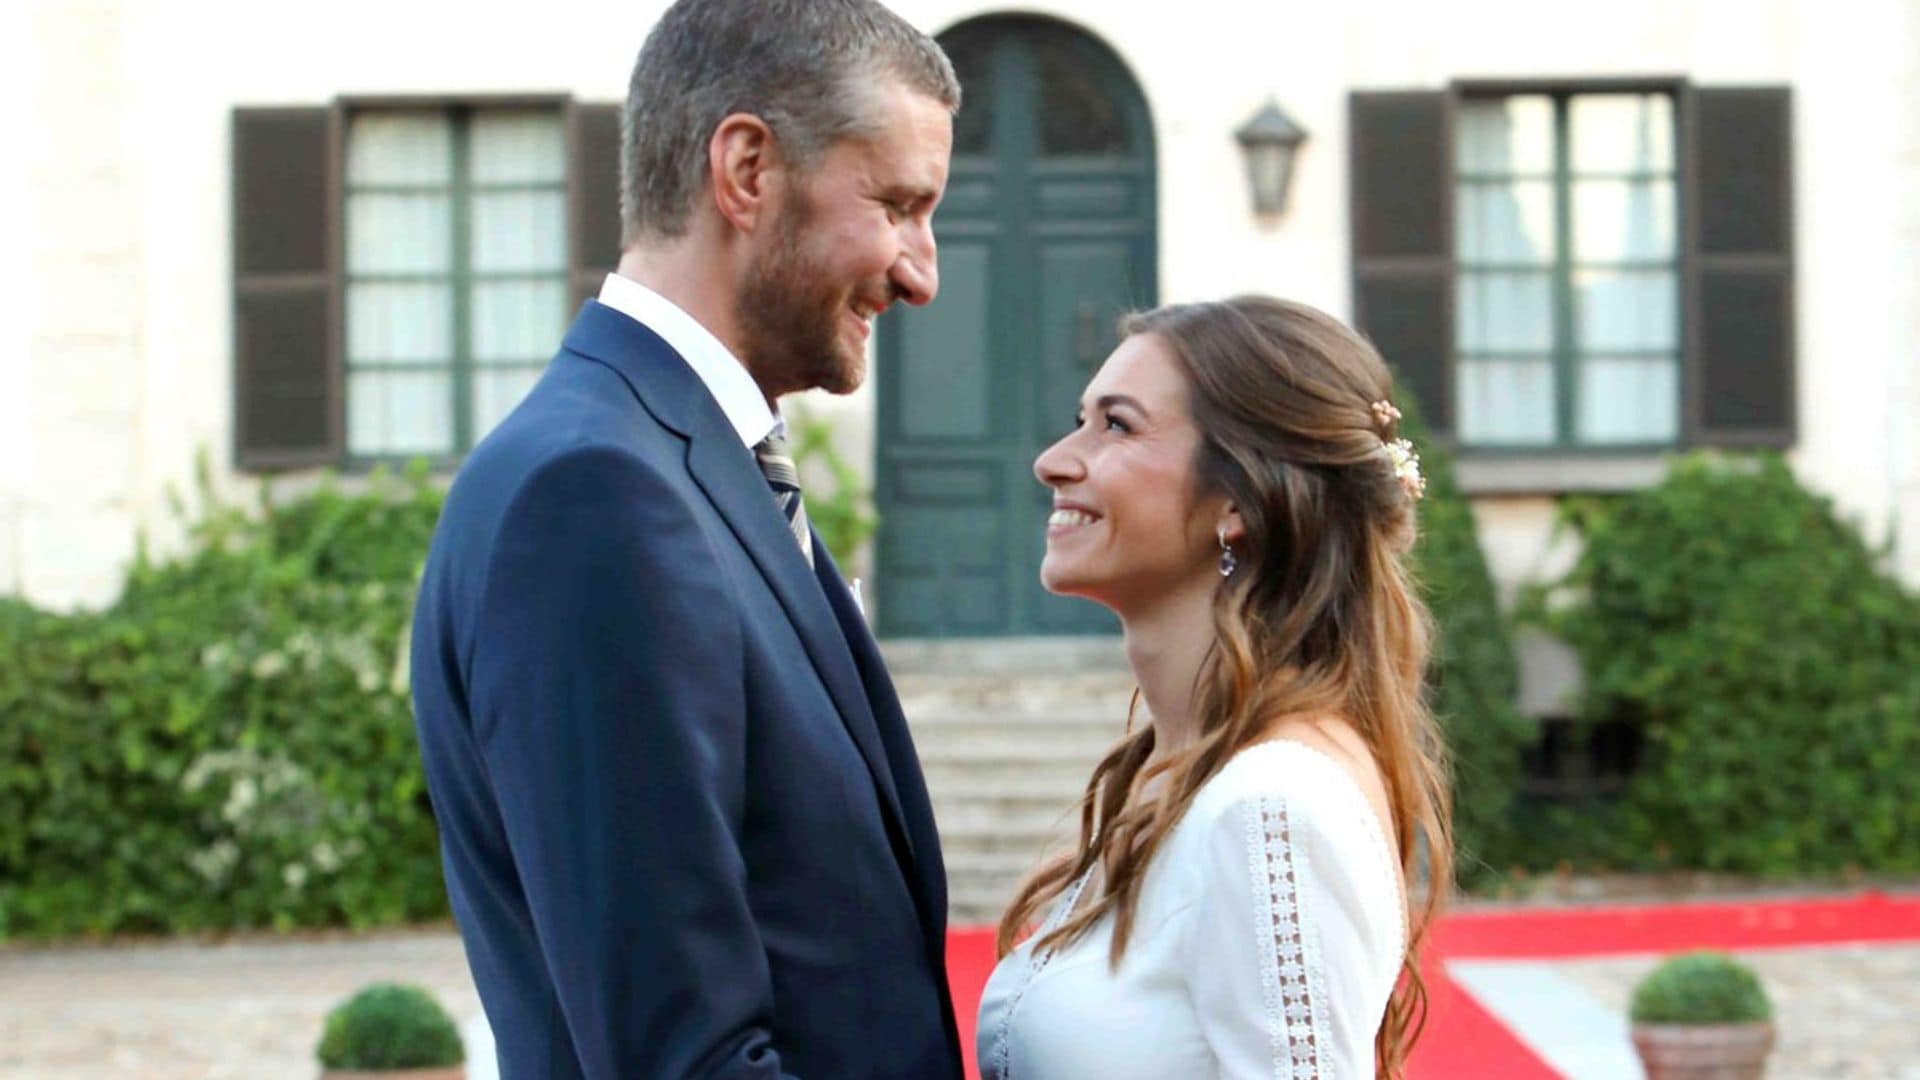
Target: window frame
(459,277)
(1505,465)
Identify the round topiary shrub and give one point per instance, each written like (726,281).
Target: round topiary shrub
(390,1026)
(1701,988)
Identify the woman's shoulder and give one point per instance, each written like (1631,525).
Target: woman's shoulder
(1317,785)
(1284,799)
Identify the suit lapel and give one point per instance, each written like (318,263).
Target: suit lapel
(725,470)
(892,724)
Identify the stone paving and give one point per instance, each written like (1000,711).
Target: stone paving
(241,1011)
(246,1011)
(1841,1011)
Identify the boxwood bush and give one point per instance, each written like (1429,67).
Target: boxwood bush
(1474,676)
(230,744)
(1770,663)
(1700,988)
(390,1026)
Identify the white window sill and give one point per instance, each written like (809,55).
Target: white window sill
(1558,474)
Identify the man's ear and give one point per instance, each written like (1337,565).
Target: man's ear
(743,162)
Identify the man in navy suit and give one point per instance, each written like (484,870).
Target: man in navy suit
(685,833)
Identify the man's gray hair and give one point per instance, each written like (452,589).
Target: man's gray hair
(806,67)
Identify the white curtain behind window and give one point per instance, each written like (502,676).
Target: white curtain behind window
(1626,311)
(399,291)
(519,305)
(1506,240)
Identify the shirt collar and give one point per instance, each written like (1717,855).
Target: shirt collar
(726,378)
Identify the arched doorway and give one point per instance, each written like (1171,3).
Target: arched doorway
(1047,235)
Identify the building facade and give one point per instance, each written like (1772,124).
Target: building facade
(292,237)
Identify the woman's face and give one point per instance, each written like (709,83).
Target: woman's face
(1129,527)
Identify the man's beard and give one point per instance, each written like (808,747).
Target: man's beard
(789,314)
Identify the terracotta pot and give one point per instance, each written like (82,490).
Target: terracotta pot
(436,1073)
(1704,1051)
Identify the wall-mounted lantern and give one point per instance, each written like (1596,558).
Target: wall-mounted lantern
(1270,141)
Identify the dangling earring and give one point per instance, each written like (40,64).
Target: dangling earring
(1228,563)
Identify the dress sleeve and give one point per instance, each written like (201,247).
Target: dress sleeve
(1284,960)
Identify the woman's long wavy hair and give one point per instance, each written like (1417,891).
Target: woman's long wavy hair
(1321,618)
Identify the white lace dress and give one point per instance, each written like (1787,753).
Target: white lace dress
(1268,939)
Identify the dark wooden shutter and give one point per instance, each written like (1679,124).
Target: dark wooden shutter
(593,183)
(1401,201)
(1739,266)
(287,382)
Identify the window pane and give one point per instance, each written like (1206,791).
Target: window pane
(1078,114)
(1505,312)
(399,148)
(518,146)
(495,393)
(389,321)
(1510,135)
(1629,401)
(972,55)
(1506,222)
(519,230)
(1622,133)
(1623,219)
(399,412)
(389,234)
(518,321)
(1626,311)
(1506,402)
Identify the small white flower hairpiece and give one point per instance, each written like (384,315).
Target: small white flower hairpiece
(1406,468)
(1406,462)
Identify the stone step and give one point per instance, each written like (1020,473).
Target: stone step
(982,777)
(1030,847)
(976,895)
(1038,658)
(960,817)
(1040,755)
(1098,693)
(1029,720)
(1005,802)
(990,866)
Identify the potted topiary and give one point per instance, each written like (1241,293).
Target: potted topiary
(1702,1016)
(387,1032)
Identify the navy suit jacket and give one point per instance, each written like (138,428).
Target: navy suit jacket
(684,830)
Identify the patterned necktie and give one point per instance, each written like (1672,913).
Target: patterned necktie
(776,461)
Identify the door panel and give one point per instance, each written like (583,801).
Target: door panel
(948,571)
(946,384)
(1046,237)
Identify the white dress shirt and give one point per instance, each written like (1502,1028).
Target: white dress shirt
(726,378)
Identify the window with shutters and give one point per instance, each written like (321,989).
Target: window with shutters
(1567,299)
(456,272)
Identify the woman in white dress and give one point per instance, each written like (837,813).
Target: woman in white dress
(1257,866)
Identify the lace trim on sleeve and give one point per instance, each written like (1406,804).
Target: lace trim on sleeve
(1291,979)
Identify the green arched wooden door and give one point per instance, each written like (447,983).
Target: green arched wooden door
(1046,237)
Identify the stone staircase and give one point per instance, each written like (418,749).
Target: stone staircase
(1008,733)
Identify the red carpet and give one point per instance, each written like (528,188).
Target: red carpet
(1463,1039)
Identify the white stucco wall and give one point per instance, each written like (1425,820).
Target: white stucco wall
(118,371)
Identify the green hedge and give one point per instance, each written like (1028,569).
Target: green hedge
(1474,676)
(229,745)
(1771,664)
